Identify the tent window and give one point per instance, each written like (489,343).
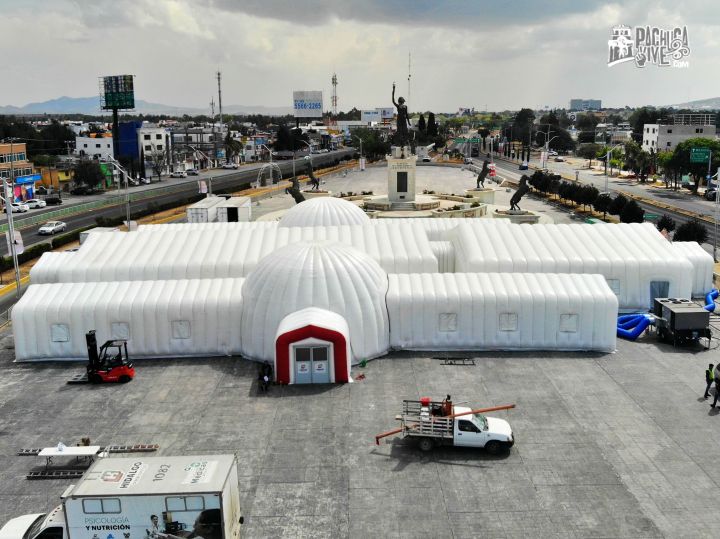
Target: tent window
(569,323)
(180,329)
(614,285)
(448,322)
(120,330)
(59,333)
(508,322)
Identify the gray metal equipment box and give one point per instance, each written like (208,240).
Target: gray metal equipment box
(684,315)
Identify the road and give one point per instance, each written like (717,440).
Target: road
(222,181)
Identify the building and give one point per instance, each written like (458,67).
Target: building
(585,104)
(613,134)
(154,144)
(14,156)
(201,146)
(326,288)
(668,133)
(95,145)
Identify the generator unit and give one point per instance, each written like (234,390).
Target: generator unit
(680,320)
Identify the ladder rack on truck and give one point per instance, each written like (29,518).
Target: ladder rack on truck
(420,419)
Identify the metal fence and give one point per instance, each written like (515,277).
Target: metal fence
(5,317)
(76,209)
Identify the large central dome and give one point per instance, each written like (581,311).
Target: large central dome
(324,211)
(323,274)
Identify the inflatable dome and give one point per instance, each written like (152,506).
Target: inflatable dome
(323,275)
(324,211)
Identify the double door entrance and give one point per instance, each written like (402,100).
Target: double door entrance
(312,364)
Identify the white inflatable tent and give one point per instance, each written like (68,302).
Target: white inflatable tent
(199,317)
(508,311)
(703,265)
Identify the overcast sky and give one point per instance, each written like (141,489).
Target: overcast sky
(474,53)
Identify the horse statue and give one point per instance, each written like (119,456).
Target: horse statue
(522,189)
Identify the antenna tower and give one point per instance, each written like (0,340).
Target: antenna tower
(409,76)
(333,119)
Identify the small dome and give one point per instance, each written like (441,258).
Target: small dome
(324,211)
(323,274)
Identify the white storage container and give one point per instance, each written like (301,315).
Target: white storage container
(234,209)
(203,211)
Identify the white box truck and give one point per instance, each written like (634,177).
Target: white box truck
(204,211)
(143,497)
(234,209)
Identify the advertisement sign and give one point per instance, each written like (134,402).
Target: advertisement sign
(118,92)
(387,113)
(370,116)
(307,104)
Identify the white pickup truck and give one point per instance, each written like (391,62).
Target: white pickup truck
(442,423)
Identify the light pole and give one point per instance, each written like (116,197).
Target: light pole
(547,145)
(9,199)
(607,160)
(122,171)
(360,164)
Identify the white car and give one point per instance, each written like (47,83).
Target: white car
(18,207)
(35,203)
(178,174)
(230,165)
(552,153)
(52,227)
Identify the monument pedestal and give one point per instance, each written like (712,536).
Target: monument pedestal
(401,174)
(486,195)
(517,217)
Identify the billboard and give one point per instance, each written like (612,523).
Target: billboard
(386,113)
(118,92)
(370,116)
(307,104)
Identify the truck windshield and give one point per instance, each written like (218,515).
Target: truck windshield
(34,528)
(481,421)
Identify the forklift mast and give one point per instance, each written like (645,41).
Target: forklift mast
(93,359)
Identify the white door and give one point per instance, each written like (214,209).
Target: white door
(468,434)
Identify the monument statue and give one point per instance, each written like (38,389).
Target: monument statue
(483,174)
(403,121)
(294,190)
(313,180)
(523,188)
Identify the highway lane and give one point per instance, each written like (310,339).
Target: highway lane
(223,181)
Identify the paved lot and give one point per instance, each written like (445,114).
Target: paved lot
(616,445)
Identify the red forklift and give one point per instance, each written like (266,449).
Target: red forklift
(110,364)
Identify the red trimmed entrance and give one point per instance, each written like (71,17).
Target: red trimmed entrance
(282,351)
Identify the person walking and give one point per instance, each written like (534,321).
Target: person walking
(709,379)
(716,376)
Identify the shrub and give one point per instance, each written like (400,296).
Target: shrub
(475,204)
(666,223)
(617,205)
(632,213)
(602,203)
(691,231)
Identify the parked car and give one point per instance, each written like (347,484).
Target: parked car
(145,181)
(710,194)
(35,203)
(52,227)
(18,207)
(53,199)
(468,161)
(192,172)
(559,159)
(81,190)
(178,174)
(230,165)
(552,153)
(426,159)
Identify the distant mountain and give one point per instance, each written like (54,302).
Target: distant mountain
(91,106)
(712,103)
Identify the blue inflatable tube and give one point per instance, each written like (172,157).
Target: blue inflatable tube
(710,300)
(625,317)
(631,329)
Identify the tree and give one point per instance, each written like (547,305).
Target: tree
(666,223)
(587,195)
(680,160)
(158,161)
(88,173)
(374,145)
(602,203)
(523,124)
(587,122)
(289,139)
(637,159)
(432,127)
(692,230)
(588,151)
(617,205)
(422,126)
(632,213)
(233,147)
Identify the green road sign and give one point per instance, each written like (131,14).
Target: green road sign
(651,216)
(699,155)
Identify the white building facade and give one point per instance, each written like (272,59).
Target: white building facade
(95,147)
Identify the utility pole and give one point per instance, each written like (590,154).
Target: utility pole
(212,113)
(219,77)
(409,75)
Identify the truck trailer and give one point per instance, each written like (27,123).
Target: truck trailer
(143,497)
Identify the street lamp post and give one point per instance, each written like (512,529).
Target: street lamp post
(361,152)
(607,161)
(9,195)
(120,169)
